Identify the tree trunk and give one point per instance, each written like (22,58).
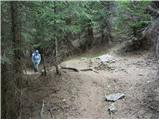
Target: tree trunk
(56,56)
(43,61)
(16,40)
(102,36)
(90,34)
(17,56)
(56,44)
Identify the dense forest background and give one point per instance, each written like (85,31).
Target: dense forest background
(64,29)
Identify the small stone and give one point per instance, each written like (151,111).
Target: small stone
(140,74)
(106,58)
(112,108)
(114,97)
(64,100)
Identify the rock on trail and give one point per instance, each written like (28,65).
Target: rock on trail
(114,97)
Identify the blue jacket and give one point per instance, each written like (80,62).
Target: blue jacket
(36,58)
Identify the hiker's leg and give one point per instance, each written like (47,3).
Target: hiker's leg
(36,67)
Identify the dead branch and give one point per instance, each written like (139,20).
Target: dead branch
(42,110)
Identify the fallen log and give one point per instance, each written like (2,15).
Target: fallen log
(86,69)
(70,68)
(77,70)
(89,69)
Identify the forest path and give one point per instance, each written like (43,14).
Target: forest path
(131,75)
(82,94)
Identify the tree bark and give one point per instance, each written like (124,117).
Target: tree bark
(56,43)
(56,56)
(43,61)
(16,38)
(90,34)
(17,56)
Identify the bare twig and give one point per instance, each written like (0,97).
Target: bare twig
(42,110)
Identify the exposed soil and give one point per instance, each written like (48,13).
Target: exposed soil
(82,94)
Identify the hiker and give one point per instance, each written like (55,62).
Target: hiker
(36,59)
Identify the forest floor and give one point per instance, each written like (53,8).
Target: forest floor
(82,94)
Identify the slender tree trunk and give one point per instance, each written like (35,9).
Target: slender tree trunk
(43,61)
(102,36)
(56,44)
(56,56)
(16,39)
(90,34)
(67,41)
(17,56)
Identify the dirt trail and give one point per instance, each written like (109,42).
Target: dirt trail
(81,94)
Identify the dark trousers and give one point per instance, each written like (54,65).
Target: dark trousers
(35,66)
